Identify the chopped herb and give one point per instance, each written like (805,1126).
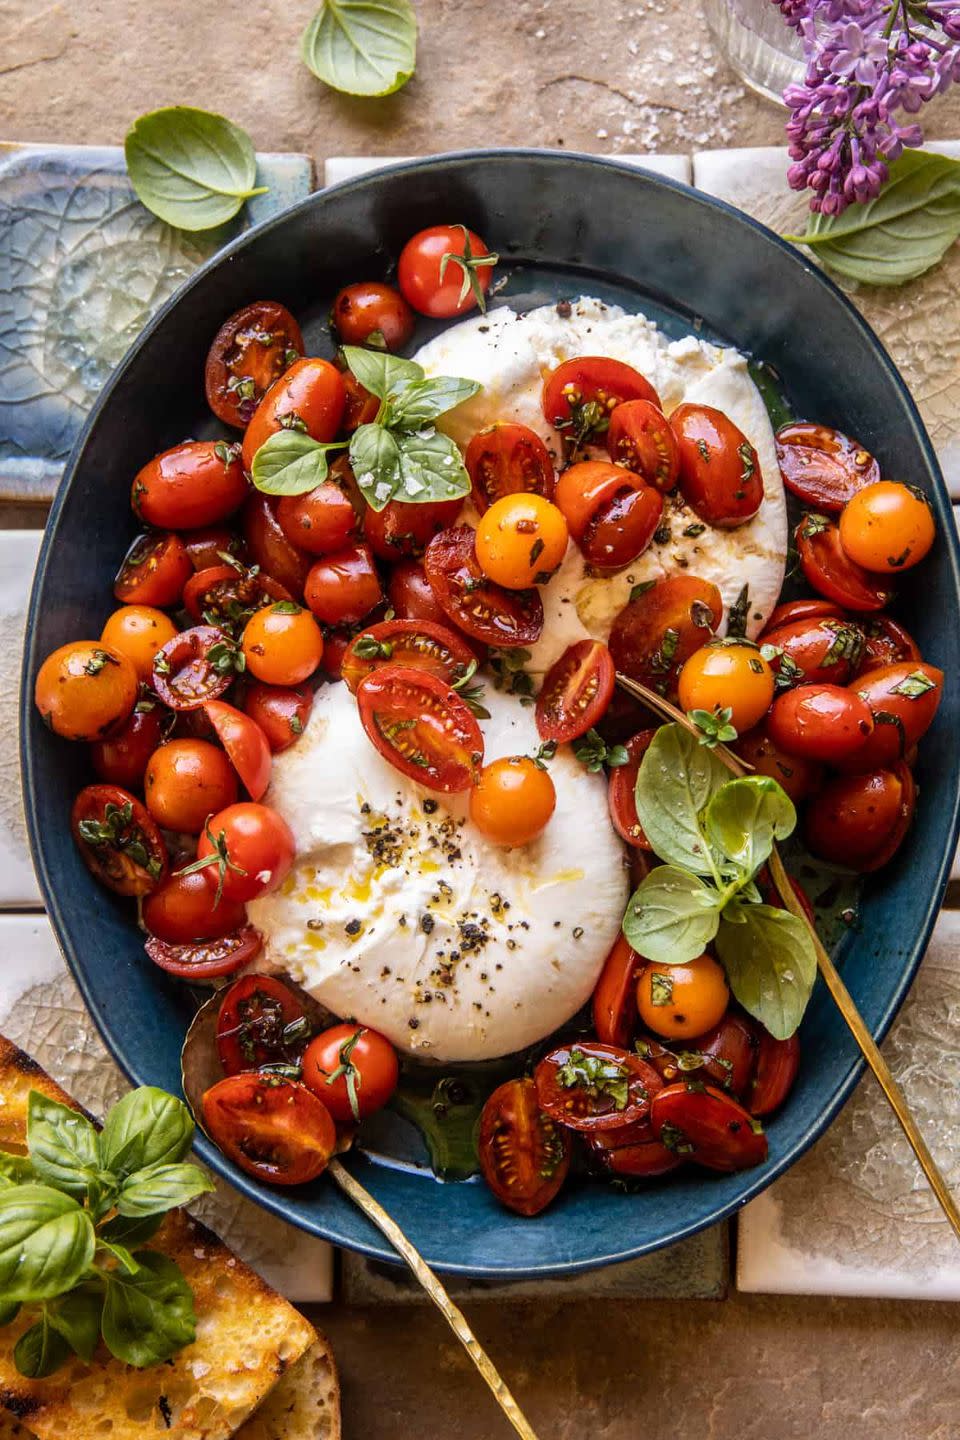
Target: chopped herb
(601,1079)
(661,988)
(641,589)
(675,1139)
(663,657)
(661,536)
(692,531)
(886,717)
(813,524)
(914,685)
(737,618)
(367,647)
(748,457)
(593,752)
(546,752)
(704,449)
(536,550)
(228,454)
(97,660)
(847,643)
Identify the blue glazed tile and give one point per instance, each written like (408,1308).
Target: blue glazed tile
(82,267)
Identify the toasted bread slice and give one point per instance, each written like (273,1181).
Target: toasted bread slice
(247,1335)
(303,1405)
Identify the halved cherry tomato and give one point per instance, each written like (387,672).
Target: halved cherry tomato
(309,397)
(903,700)
(421,727)
(206,959)
(859,820)
(612,513)
(778,1062)
(402,530)
(643,1158)
(370,308)
(800,777)
(322,521)
(488,612)
(250,351)
(276,1130)
(681,1001)
(640,438)
(576,691)
(118,840)
(622,788)
(524,1155)
(189,486)
(885,643)
(209,546)
(248,850)
(580,395)
(819,649)
(655,634)
(614,1002)
(434,648)
(194,667)
(441,287)
(269,548)
(183,911)
(831,572)
(121,758)
(343,588)
(154,571)
(227,595)
(281,712)
(282,644)
(360,407)
(822,466)
(703,1124)
(506,459)
(728,1052)
(719,468)
(806,609)
(820,722)
(588,1086)
(138,631)
(260,1022)
(245,744)
(728,675)
(186,781)
(512,800)
(887,527)
(353,1070)
(84,689)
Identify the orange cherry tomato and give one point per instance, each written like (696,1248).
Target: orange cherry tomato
(281,712)
(371,308)
(581,395)
(309,397)
(707,1126)
(727,675)
(343,588)
(903,700)
(680,1001)
(612,514)
(655,634)
(282,644)
(250,351)
(352,1069)
(576,691)
(524,1154)
(441,287)
(245,743)
(506,459)
(154,570)
(276,1130)
(512,801)
(799,777)
(719,469)
(192,485)
(84,689)
(824,467)
(118,840)
(520,541)
(615,995)
(640,438)
(421,727)
(820,722)
(138,631)
(887,527)
(186,781)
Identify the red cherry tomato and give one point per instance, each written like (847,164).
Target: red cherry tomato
(507,458)
(122,758)
(343,588)
(728,1053)
(615,995)
(612,514)
(643,1158)
(778,1062)
(249,850)
(903,700)
(435,648)
(824,467)
(309,397)
(580,395)
(118,840)
(622,789)
(486,611)
(421,727)
(206,959)
(816,649)
(372,308)
(182,911)
(799,777)
(719,468)
(708,1126)
(192,485)
(411,596)
(820,722)
(442,287)
(276,1130)
(322,521)
(807,609)
(250,351)
(352,1069)
(575,692)
(154,571)
(194,667)
(640,437)
(859,820)
(832,573)
(524,1155)
(226,596)
(401,530)
(587,1086)
(886,642)
(245,744)
(655,634)
(269,547)
(208,547)
(360,407)
(260,1022)
(281,712)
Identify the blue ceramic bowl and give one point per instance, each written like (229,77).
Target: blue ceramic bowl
(564,225)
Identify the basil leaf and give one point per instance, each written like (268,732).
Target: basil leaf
(291,463)
(9,1310)
(149,1316)
(77,1318)
(676,781)
(423,400)
(122,1256)
(161,1188)
(383,374)
(375,461)
(672,916)
(431,468)
(192,168)
(46,1242)
(904,232)
(127,1230)
(745,817)
(14,1170)
(362,47)
(63,1145)
(40,1350)
(146,1127)
(771,964)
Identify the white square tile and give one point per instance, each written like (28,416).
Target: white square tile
(18,559)
(348,167)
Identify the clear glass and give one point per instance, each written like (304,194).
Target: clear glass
(758,43)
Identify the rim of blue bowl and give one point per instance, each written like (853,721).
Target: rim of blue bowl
(274,1200)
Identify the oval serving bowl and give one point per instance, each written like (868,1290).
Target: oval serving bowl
(564,225)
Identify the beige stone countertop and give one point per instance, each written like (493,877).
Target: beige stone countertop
(608,76)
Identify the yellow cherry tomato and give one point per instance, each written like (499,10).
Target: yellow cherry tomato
(512,800)
(138,631)
(886,527)
(728,675)
(84,689)
(682,1001)
(282,643)
(521,540)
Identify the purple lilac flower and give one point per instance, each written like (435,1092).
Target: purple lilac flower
(867,61)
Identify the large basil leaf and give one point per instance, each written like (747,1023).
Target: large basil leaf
(431,468)
(745,817)
(125,1230)
(771,964)
(160,1188)
(77,1318)
(146,1127)
(149,1316)
(677,779)
(375,461)
(291,463)
(63,1145)
(14,1169)
(363,47)
(40,1350)
(192,168)
(672,916)
(421,402)
(380,372)
(904,232)
(46,1242)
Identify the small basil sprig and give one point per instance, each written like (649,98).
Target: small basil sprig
(362,47)
(715,834)
(73,1213)
(192,168)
